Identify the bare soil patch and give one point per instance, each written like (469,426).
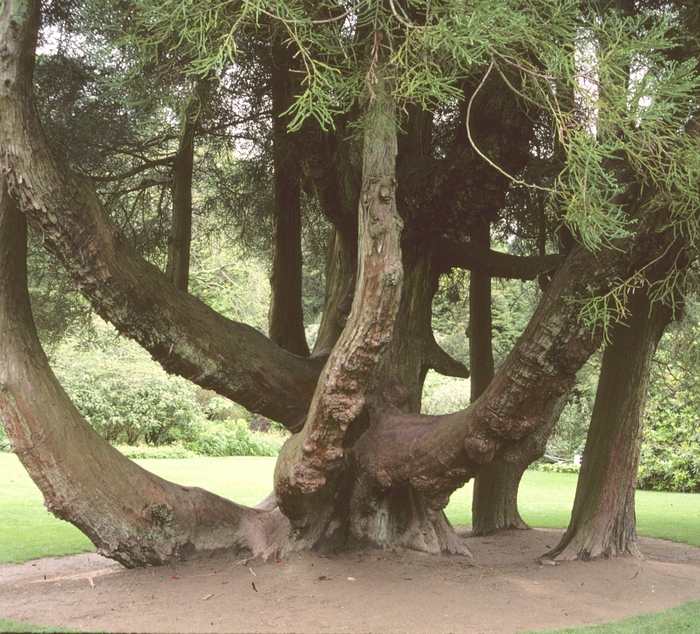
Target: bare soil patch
(500,590)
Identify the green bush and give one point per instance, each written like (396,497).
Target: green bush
(132,403)
(670,457)
(136,406)
(443,394)
(166,452)
(233,438)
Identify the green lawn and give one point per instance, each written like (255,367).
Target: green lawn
(684,618)
(545,501)
(28,531)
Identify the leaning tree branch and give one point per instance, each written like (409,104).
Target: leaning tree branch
(437,359)
(467,255)
(131,515)
(438,454)
(182,333)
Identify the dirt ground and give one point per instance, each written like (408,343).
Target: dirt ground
(501,589)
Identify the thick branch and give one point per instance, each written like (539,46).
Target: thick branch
(130,514)
(183,334)
(467,255)
(438,454)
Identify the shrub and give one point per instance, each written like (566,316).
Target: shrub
(233,438)
(127,398)
(166,452)
(135,405)
(670,457)
(442,394)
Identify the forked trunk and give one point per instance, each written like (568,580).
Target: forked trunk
(603,520)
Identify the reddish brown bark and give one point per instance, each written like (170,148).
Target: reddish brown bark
(438,454)
(317,451)
(341,273)
(129,514)
(603,520)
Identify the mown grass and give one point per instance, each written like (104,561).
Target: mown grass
(16,626)
(684,618)
(28,531)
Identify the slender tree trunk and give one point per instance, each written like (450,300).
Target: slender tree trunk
(603,519)
(480,328)
(180,239)
(286,316)
(129,514)
(495,497)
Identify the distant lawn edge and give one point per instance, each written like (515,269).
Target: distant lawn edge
(19,626)
(682,618)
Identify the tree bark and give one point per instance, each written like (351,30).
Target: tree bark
(129,514)
(341,274)
(496,485)
(495,496)
(603,520)
(286,316)
(180,239)
(182,333)
(306,467)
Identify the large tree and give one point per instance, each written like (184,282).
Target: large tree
(409,123)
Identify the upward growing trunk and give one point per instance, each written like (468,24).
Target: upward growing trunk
(286,316)
(603,519)
(180,239)
(495,497)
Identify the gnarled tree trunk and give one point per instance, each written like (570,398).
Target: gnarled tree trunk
(130,514)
